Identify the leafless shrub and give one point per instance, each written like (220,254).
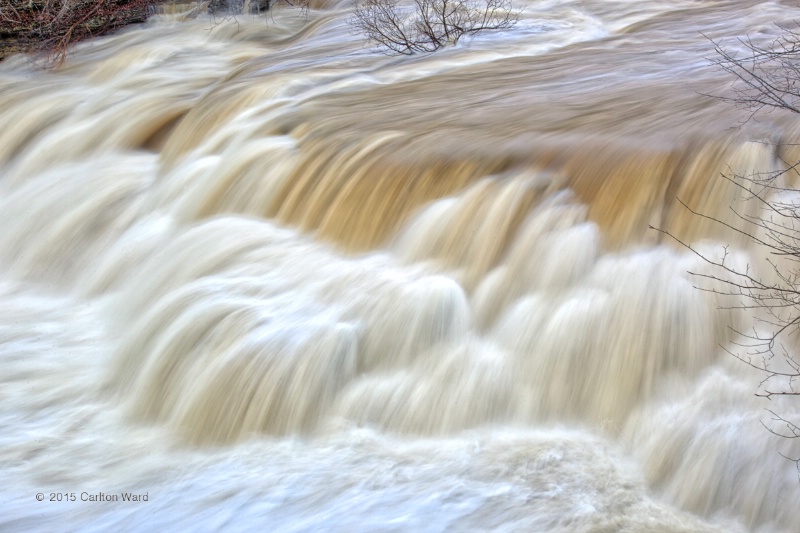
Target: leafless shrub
(774,301)
(767,78)
(768,75)
(52,25)
(427,25)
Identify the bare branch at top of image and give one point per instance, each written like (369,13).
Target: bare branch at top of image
(427,25)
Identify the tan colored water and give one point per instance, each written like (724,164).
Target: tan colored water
(280,281)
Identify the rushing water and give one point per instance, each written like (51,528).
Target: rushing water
(279,281)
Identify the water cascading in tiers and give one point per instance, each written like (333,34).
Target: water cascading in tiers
(270,276)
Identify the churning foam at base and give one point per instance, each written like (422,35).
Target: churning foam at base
(270,276)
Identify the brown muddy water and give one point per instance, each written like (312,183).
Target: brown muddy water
(277,280)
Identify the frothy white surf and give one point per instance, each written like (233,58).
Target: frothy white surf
(270,277)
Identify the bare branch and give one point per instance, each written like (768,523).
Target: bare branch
(427,25)
(53,25)
(767,77)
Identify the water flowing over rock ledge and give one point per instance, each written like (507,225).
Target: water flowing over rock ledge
(278,277)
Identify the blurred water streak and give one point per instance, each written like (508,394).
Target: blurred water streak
(271,276)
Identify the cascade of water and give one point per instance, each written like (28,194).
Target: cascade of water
(265,274)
